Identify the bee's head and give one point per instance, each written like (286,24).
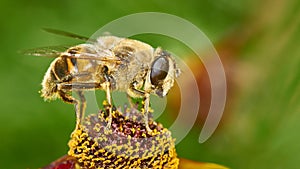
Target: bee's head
(163,72)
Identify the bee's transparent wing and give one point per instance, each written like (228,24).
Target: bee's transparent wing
(93,56)
(48,51)
(68,34)
(56,51)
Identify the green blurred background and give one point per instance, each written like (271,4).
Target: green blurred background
(258,42)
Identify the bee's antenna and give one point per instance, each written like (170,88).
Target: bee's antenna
(68,34)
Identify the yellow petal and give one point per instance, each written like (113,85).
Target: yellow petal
(189,164)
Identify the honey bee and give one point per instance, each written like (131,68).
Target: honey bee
(107,63)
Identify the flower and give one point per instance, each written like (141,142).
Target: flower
(69,162)
(126,144)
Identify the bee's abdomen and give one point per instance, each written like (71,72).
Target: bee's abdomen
(60,69)
(49,90)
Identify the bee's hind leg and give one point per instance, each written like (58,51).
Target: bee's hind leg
(80,108)
(79,105)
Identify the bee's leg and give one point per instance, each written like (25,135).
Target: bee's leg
(106,86)
(69,99)
(80,104)
(146,111)
(132,91)
(80,108)
(131,104)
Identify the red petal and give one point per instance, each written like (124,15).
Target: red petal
(65,162)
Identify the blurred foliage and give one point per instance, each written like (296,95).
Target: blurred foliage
(259,128)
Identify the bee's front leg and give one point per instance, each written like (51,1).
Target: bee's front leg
(133,92)
(146,111)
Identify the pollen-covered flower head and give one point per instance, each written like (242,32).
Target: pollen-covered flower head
(126,144)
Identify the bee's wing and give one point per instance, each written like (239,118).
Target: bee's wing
(94,56)
(48,51)
(56,51)
(68,34)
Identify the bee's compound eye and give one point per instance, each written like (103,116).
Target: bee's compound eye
(159,70)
